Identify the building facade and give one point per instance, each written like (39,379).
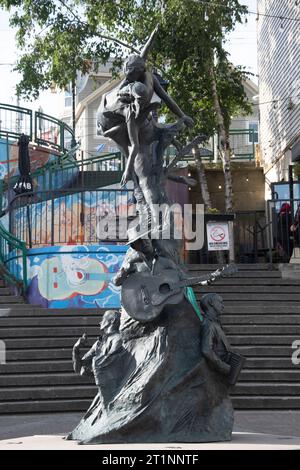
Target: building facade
(89,92)
(279,88)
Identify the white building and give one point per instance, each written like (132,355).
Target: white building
(279,87)
(88,94)
(89,91)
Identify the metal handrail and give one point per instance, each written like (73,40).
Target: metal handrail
(34,130)
(9,242)
(45,227)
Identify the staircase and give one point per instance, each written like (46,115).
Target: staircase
(262,319)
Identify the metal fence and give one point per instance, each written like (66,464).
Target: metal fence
(12,274)
(67,217)
(242,144)
(14,121)
(284,230)
(51,131)
(250,241)
(41,128)
(251,237)
(82,174)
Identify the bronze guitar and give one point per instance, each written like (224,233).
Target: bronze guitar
(144,295)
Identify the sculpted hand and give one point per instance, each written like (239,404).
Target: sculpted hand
(188,121)
(81,342)
(125,178)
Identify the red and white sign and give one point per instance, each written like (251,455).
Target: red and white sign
(217,236)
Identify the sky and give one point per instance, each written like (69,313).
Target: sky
(241,40)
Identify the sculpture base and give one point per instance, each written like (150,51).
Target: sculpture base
(240,441)
(161,390)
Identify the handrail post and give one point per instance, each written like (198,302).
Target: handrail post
(52,219)
(62,136)
(24,256)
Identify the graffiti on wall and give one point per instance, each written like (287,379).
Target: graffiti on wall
(72,276)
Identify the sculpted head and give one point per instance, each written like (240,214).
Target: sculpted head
(110,321)
(212,305)
(134,68)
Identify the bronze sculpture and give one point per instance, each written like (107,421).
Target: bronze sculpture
(160,379)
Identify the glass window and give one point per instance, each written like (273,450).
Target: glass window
(68,99)
(253,136)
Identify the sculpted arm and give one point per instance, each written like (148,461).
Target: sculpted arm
(170,103)
(81,365)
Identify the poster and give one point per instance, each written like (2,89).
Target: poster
(217,236)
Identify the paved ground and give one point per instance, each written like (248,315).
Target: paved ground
(282,423)
(240,441)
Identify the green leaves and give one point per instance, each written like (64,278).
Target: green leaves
(57,38)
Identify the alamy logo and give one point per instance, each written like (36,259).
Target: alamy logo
(163,222)
(2,352)
(296,353)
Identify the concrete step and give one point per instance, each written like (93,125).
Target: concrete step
(262,363)
(238,321)
(11,299)
(270,375)
(45,406)
(266,403)
(44,332)
(266,351)
(48,379)
(241,274)
(23,355)
(283,389)
(35,367)
(247,289)
(265,281)
(262,308)
(4,290)
(27,310)
(50,320)
(241,267)
(253,340)
(47,393)
(255,330)
(252,297)
(49,343)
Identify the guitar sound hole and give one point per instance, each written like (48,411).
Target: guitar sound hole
(164,288)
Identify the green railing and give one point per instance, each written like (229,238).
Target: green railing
(8,245)
(242,144)
(14,121)
(41,128)
(51,131)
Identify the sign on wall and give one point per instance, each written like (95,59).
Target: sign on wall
(217,236)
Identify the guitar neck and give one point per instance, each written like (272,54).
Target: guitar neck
(193,281)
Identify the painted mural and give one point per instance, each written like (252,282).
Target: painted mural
(72,276)
(73,218)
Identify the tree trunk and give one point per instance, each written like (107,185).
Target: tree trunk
(224,144)
(202,179)
(205,192)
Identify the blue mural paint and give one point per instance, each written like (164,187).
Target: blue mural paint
(72,276)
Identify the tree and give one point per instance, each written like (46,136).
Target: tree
(60,37)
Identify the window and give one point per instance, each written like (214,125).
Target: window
(253,136)
(68,99)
